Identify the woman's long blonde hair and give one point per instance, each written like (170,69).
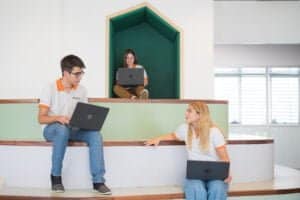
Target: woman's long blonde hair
(204,125)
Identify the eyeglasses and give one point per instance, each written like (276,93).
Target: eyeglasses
(77,74)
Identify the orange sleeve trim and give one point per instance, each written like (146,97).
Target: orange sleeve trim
(43,106)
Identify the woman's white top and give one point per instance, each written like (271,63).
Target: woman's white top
(216,139)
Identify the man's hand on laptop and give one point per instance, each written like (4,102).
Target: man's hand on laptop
(63,119)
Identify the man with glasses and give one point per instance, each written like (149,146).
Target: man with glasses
(57,103)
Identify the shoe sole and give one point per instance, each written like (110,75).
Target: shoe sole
(104,193)
(58,191)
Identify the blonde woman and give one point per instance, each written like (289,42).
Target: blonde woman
(204,141)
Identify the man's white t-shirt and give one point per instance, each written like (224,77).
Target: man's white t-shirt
(216,139)
(59,101)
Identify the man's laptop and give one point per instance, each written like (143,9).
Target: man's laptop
(207,170)
(87,116)
(130,76)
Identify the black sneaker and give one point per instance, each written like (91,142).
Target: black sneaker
(102,188)
(56,184)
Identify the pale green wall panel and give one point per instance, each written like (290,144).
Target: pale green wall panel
(19,122)
(125,121)
(143,120)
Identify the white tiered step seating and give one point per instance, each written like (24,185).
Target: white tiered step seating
(135,171)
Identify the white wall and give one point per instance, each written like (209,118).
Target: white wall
(252,22)
(30,38)
(257,55)
(34,35)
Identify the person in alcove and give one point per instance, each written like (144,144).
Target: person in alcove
(131,92)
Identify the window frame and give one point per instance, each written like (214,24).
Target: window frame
(268,101)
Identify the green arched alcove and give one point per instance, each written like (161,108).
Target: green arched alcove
(157,45)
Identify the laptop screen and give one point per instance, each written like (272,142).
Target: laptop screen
(207,170)
(88,116)
(130,77)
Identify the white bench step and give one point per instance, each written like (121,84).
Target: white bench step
(126,166)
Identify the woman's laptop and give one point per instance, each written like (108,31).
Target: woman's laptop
(88,116)
(130,77)
(207,170)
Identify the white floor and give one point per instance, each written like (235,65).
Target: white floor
(285,179)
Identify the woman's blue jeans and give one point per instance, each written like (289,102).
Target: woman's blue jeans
(60,134)
(205,190)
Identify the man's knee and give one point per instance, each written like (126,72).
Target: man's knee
(94,137)
(62,132)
